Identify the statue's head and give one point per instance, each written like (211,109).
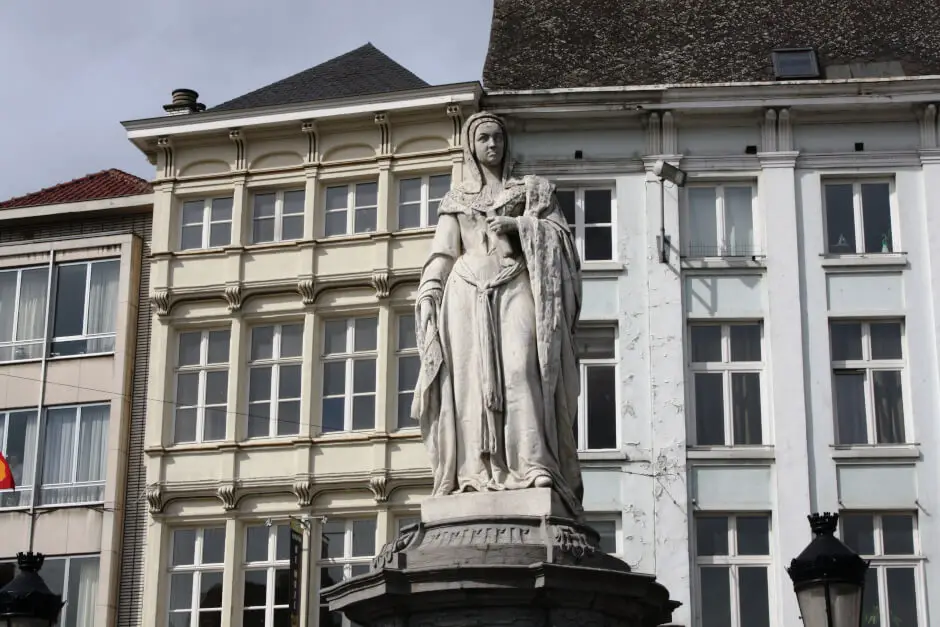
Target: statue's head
(485,144)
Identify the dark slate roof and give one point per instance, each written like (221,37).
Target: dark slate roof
(541,44)
(360,72)
(111,183)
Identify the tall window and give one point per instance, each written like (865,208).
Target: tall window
(606,528)
(267,577)
(22,313)
(719,220)
(349,376)
(196,566)
(206,223)
(419,198)
(76,579)
(277,216)
(201,386)
(726,364)
(858,217)
(274,380)
(732,558)
(347,548)
(18,433)
(893,584)
(85,318)
(867,368)
(590,213)
(596,423)
(75,455)
(408,366)
(351,209)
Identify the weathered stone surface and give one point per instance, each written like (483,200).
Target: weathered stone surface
(532,502)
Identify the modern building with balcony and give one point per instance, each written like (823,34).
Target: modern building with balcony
(73,364)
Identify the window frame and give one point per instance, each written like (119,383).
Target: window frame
(727,368)
(591,518)
(278,217)
(858,217)
(400,355)
(721,245)
(198,568)
(67,574)
(207,222)
(351,207)
(578,229)
(270,566)
(202,368)
(583,415)
(350,356)
(348,560)
(76,450)
(23,490)
(424,217)
(88,337)
(275,363)
(867,366)
(15,344)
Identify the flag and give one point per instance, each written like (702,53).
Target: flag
(6,475)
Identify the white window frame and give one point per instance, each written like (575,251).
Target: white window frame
(400,354)
(66,582)
(25,344)
(275,363)
(347,561)
(733,561)
(726,368)
(592,518)
(207,221)
(586,363)
(858,213)
(424,217)
(350,357)
(270,566)
(721,245)
(85,334)
(351,207)
(23,491)
(201,368)
(197,569)
(578,228)
(868,366)
(278,217)
(76,449)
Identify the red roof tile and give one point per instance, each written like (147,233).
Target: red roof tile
(111,183)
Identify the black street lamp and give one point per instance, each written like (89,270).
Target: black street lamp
(828,578)
(26,601)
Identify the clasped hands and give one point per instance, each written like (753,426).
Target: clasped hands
(501,224)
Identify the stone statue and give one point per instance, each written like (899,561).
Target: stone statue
(496,310)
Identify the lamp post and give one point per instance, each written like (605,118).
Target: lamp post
(26,601)
(828,578)
(665,171)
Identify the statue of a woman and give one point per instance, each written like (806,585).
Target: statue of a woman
(496,312)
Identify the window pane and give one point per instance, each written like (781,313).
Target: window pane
(840,218)
(745,342)
(31,317)
(92,443)
(70,300)
(333,416)
(288,417)
(871,605)
(184,547)
(405,421)
(189,349)
(566,200)
(858,532)
(181,590)
(706,343)
(337,197)
(292,227)
(716,596)
(184,426)
(294,202)
(598,243)
(335,223)
(216,387)
(187,389)
(214,427)
(8,280)
(876,217)
(292,339)
(366,220)
(367,194)
(210,590)
(597,206)
(264,206)
(850,406)
(703,222)
(607,530)
(334,378)
(846,340)
(334,337)
(409,216)
(409,190)
(213,545)
(256,587)
(897,533)
(746,407)
(262,343)
(364,537)
(250,618)
(439,185)
(262,230)
(191,237)
(709,409)
(406,332)
(364,376)
(282,542)
(256,544)
(711,535)
(218,347)
(102,294)
(259,384)
(221,209)
(601,407)
(885,340)
(282,586)
(333,537)
(259,420)
(363,412)
(193,212)
(753,535)
(289,382)
(753,598)
(366,334)
(889,408)
(902,597)
(408,368)
(739,222)
(220,234)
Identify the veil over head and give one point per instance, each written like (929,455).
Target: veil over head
(473,177)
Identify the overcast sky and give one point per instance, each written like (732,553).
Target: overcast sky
(72,71)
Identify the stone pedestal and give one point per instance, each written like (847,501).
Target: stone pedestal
(499,558)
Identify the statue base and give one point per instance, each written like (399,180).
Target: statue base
(499,558)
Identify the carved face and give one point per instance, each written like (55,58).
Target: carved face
(489,143)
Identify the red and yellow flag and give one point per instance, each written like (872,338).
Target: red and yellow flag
(6,475)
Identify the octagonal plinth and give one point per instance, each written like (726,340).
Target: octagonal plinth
(459,567)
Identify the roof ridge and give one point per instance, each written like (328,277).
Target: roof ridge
(107,183)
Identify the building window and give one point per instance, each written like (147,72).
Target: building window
(85,317)
(405,520)
(267,577)
(22,313)
(858,217)
(408,366)
(76,579)
(893,583)
(75,455)
(867,369)
(206,223)
(596,422)
(196,566)
(274,386)
(726,365)
(18,433)
(351,209)
(606,528)
(732,558)
(419,198)
(349,374)
(346,550)
(201,386)
(719,220)
(277,216)
(590,214)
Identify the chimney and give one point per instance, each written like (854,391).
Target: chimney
(184,102)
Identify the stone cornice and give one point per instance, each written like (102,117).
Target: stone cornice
(881,159)
(778,159)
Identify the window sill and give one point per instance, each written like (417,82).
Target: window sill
(216,251)
(730,452)
(350,237)
(864,260)
(80,356)
(876,451)
(602,456)
(590,267)
(415,232)
(262,246)
(56,506)
(721,263)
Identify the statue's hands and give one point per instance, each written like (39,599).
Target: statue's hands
(426,313)
(501,224)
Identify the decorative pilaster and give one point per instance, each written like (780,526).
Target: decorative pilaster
(777,131)
(654,135)
(160,301)
(233,297)
(165,148)
(309,128)
(669,135)
(305,287)
(378,485)
(154,496)
(227,494)
(303,490)
(380,282)
(455,113)
(769,132)
(784,131)
(928,127)
(385,133)
(238,138)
